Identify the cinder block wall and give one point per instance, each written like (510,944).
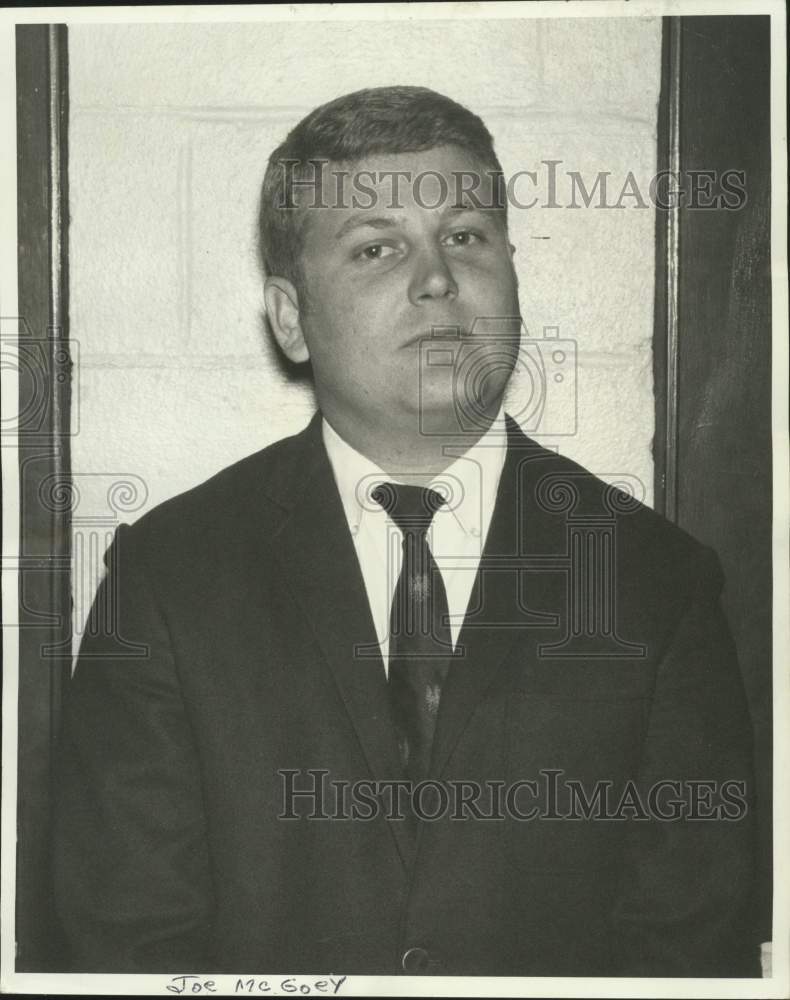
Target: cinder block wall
(171,127)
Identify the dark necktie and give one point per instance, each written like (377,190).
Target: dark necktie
(420,643)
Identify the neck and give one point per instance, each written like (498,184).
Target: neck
(408,456)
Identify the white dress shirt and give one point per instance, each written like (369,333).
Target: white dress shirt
(458,530)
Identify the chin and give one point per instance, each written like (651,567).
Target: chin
(446,415)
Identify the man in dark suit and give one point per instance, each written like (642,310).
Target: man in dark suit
(405,692)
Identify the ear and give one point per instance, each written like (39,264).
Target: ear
(512,250)
(282,310)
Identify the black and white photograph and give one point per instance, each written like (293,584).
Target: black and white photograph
(395,499)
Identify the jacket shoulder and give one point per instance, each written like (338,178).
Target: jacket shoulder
(650,547)
(254,487)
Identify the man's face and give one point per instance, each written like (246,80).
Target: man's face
(380,279)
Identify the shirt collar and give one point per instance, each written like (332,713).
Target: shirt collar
(469,484)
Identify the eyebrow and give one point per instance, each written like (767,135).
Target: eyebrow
(362,219)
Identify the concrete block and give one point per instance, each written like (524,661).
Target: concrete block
(615,422)
(225,281)
(175,426)
(303,64)
(604,64)
(124,235)
(588,270)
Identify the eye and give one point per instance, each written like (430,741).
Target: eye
(376,251)
(463,238)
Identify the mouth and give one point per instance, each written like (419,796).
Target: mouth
(438,335)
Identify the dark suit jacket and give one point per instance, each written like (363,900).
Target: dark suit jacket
(593,646)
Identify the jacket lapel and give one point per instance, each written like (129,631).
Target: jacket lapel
(505,604)
(319,561)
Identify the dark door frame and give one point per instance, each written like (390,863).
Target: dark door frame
(44,466)
(712,343)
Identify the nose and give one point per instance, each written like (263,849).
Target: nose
(432,278)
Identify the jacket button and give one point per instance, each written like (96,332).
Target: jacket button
(414,961)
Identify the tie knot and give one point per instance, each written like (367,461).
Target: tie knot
(410,507)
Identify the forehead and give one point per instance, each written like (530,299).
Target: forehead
(429,181)
(445,161)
